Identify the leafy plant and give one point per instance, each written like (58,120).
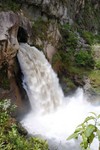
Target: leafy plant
(12,136)
(88,130)
(69,37)
(84,58)
(90,37)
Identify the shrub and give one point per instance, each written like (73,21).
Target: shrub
(10,137)
(90,37)
(84,58)
(69,37)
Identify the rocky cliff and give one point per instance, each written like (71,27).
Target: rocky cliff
(81,12)
(65,30)
(47,15)
(14,28)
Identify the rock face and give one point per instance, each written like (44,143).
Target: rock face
(11,27)
(45,34)
(8,36)
(73,11)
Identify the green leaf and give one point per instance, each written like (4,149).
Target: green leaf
(98,134)
(89,130)
(82,145)
(85,142)
(74,135)
(89,118)
(78,130)
(84,137)
(91,137)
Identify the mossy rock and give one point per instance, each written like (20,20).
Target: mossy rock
(40,28)
(67,85)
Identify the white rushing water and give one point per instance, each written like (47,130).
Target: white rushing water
(53,116)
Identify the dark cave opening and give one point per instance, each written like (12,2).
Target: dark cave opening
(22,35)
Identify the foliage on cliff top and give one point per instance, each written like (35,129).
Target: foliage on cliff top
(12,136)
(6,5)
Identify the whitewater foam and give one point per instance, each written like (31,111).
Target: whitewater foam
(45,95)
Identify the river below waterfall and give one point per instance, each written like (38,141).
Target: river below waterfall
(53,116)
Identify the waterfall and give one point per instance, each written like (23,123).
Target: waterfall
(53,116)
(40,81)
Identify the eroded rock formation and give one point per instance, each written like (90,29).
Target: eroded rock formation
(81,12)
(11,27)
(45,16)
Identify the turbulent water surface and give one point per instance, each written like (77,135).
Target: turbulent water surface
(53,116)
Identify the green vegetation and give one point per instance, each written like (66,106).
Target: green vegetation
(69,51)
(73,61)
(40,28)
(84,58)
(12,136)
(97,64)
(69,37)
(90,37)
(9,5)
(88,130)
(94,77)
